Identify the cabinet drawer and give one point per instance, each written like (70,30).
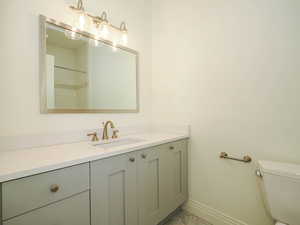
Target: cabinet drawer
(71,211)
(176,145)
(25,194)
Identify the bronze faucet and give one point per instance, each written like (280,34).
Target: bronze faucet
(105,135)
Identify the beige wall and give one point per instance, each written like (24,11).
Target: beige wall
(19,80)
(231,69)
(228,67)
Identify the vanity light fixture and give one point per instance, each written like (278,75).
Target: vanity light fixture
(124,31)
(101,28)
(80,14)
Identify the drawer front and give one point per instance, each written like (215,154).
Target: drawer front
(22,195)
(176,145)
(71,211)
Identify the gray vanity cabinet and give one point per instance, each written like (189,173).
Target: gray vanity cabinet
(162,181)
(72,211)
(177,174)
(113,191)
(138,188)
(29,193)
(151,185)
(59,197)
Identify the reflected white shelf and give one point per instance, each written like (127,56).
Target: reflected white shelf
(69,69)
(70,86)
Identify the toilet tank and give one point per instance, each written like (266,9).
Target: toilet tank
(281,187)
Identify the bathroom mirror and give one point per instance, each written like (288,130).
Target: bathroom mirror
(80,74)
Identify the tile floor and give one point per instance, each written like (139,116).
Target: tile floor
(185,218)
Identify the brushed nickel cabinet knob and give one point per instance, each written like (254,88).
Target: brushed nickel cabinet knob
(54,188)
(171,148)
(144,156)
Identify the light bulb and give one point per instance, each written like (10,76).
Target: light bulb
(95,31)
(73,35)
(104,31)
(114,46)
(124,38)
(96,43)
(81,21)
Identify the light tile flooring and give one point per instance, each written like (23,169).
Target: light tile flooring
(185,218)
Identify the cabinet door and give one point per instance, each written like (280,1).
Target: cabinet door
(71,211)
(150,184)
(177,161)
(113,191)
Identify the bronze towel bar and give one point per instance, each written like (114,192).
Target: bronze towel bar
(245,159)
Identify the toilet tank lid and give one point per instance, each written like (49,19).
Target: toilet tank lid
(281,169)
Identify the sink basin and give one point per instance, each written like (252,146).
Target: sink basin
(119,142)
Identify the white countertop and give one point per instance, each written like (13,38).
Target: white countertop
(21,163)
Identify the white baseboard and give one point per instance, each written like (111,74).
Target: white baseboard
(212,215)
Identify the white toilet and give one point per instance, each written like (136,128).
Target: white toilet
(281,187)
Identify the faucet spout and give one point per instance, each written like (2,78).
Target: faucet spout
(105,128)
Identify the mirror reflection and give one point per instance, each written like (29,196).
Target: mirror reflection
(86,74)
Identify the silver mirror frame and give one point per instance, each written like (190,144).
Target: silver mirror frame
(43,75)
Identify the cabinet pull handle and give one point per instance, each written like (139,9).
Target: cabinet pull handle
(144,156)
(54,188)
(171,148)
(131,159)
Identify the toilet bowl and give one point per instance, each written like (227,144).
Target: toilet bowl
(280,183)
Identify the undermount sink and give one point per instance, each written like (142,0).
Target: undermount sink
(118,142)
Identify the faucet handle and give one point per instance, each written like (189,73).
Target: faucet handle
(94,136)
(115,132)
